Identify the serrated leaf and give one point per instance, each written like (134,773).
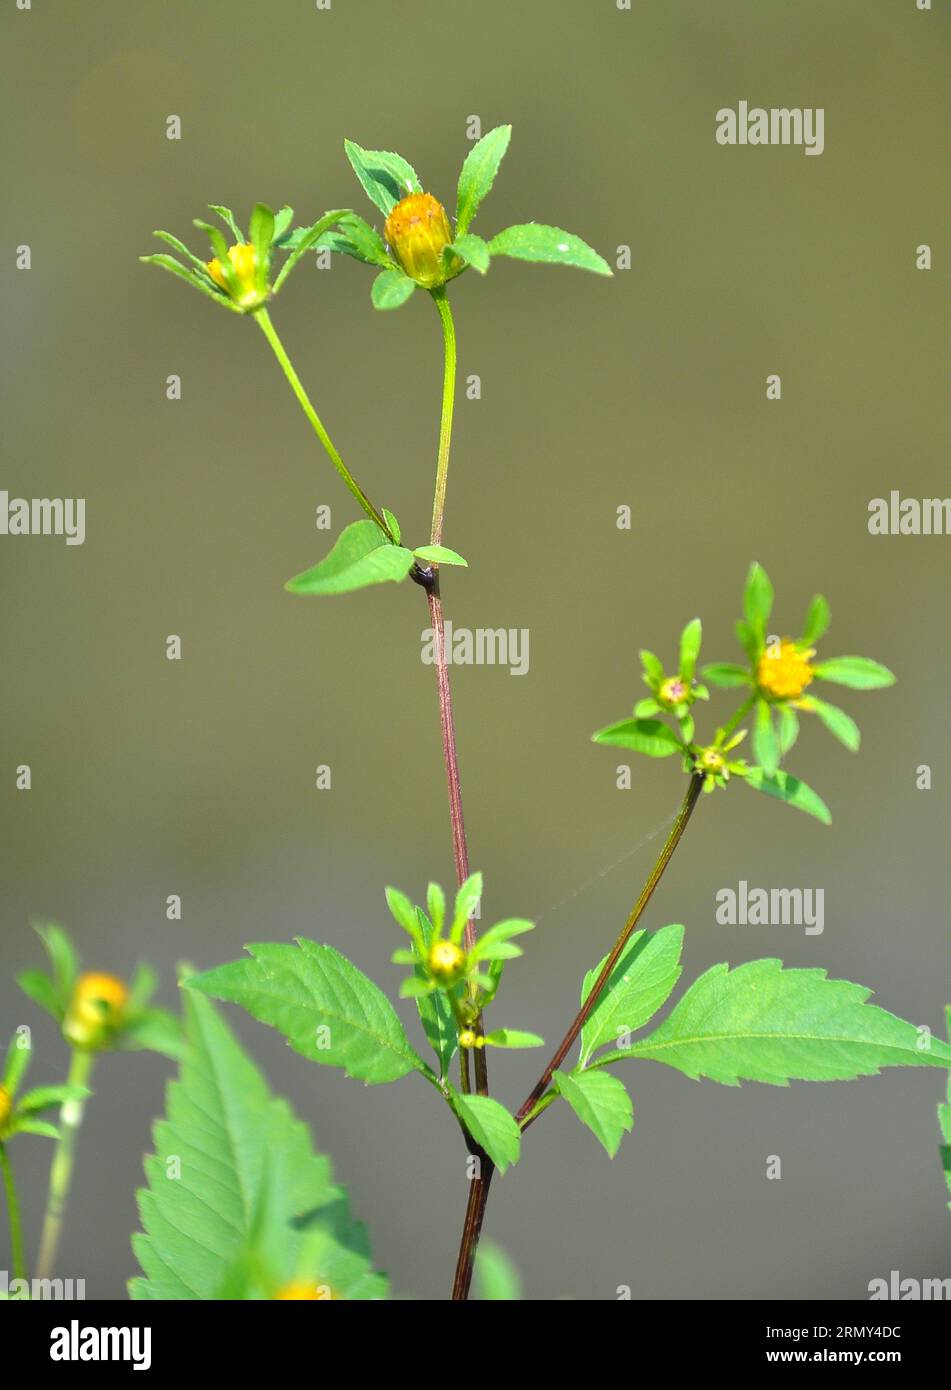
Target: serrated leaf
(361,556)
(789,789)
(232,1172)
(857,672)
(473,250)
(533,241)
(227,217)
(390,289)
(355,237)
(760,1022)
(327,1009)
(309,237)
(637,987)
(386,178)
(478,174)
(648,736)
(491,1126)
(606,1110)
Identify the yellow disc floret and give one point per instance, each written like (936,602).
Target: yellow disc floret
(711,760)
(305,1291)
(417,231)
(6,1105)
(784,670)
(244,263)
(673,691)
(446,962)
(96,1010)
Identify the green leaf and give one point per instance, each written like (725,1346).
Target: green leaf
(944,1119)
(532,241)
(789,789)
(478,174)
(282,220)
(647,707)
(439,555)
(690,640)
(63,959)
(857,672)
(435,1010)
(38,986)
(361,556)
(491,1126)
(840,724)
(817,621)
(17,1063)
(760,1022)
(155,1030)
(653,666)
(648,736)
(327,1009)
(726,674)
(639,984)
(758,599)
(143,985)
(390,289)
(473,250)
(196,281)
(393,524)
(512,1037)
(386,178)
(497,1279)
(45,1097)
(358,239)
(404,913)
(468,897)
(232,1172)
(227,217)
(765,742)
(606,1110)
(28,1125)
(262,234)
(309,238)
(496,943)
(788,728)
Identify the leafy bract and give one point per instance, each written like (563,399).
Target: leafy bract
(478,174)
(385,177)
(491,1126)
(760,1022)
(606,1109)
(496,1278)
(390,289)
(327,1009)
(236,1196)
(641,981)
(533,241)
(361,555)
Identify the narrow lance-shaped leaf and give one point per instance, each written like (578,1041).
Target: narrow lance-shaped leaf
(648,736)
(790,789)
(841,725)
(326,1008)
(760,1022)
(857,672)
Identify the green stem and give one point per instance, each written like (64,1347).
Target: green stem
(445,425)
(61,1172)
(744,709)
(267,328)
(13,1208)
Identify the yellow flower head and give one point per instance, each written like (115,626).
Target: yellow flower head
(447,962)
(711,760)
(6,1106)
(784,671)
(673,691)
(244,262)
(313,1292)
(417,231)
(96,1009)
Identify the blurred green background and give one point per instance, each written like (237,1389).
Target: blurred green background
(153,777)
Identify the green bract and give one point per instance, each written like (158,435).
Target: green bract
(388,179)
(20,1114)
(241,278)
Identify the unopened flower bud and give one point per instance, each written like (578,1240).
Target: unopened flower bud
(6,1106)
(418,231)
(244,263)
(96,1010)
(446,962)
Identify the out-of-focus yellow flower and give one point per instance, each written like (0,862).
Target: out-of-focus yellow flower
(244,262)
(96,1009)
(418,231)
(785,671)
(6,1105)
(306,1291)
